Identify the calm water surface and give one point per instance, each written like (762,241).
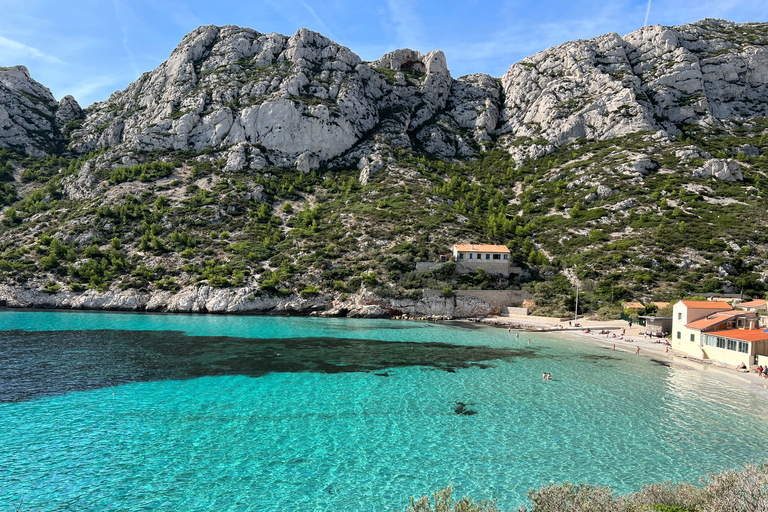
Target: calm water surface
(193,413)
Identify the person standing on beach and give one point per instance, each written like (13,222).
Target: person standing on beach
(637,352)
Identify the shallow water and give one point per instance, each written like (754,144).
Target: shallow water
(148,412)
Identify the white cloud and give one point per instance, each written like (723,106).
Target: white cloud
(13,50)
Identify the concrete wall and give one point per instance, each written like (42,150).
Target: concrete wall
(729,357)
(493,297)
(490,266)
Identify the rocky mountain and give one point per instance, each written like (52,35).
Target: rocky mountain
(31,120)
(619,161)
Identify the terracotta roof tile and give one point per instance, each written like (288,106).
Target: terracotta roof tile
(743,334)
(633,305)
(711,321)
(752,303)
(481,248)
(706,304)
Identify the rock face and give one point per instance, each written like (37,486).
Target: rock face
(30,117)
(298,101)
(206,299)
(654,78)
(725,170)
(304,101)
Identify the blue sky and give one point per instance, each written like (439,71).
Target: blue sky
(90,48)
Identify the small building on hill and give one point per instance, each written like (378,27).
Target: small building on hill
(494,259)
(635,307)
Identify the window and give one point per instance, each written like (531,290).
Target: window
(678,334)
(744,347)
(506,256)
(720,342)
(461,256)
(470,255)
(693,337)
(731,344)
(710,340)
(497,256)
(679,316)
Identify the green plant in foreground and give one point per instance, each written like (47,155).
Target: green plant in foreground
(444,502)
(744,490)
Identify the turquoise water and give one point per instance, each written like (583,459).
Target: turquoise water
(327,432)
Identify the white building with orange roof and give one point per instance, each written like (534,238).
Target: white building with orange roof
(494,259)
(684,312)
(735,346)
(753,305)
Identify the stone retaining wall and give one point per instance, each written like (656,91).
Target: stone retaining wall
(498,298)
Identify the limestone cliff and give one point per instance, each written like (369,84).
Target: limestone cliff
(656,78)
(30,117)
(269,100)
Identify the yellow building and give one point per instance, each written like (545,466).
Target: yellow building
(684,312)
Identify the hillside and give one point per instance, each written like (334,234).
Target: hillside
(262,172)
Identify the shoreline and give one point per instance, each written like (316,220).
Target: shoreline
(630,342)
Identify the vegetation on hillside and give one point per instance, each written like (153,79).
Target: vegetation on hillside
(180,219)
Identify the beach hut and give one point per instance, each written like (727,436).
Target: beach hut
(657,325)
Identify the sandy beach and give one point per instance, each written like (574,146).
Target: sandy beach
(629,341)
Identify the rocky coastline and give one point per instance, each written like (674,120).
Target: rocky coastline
(247,300)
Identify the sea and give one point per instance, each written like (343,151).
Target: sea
(138,412)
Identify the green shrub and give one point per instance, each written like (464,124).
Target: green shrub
(310,291)
(445,502)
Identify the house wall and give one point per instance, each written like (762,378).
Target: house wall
(734,357)
(681,315)
(491,266)
(729,357)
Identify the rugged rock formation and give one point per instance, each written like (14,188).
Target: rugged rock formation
(30,117)
(303,101)
(281,101)
(654,78)
(206,299)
